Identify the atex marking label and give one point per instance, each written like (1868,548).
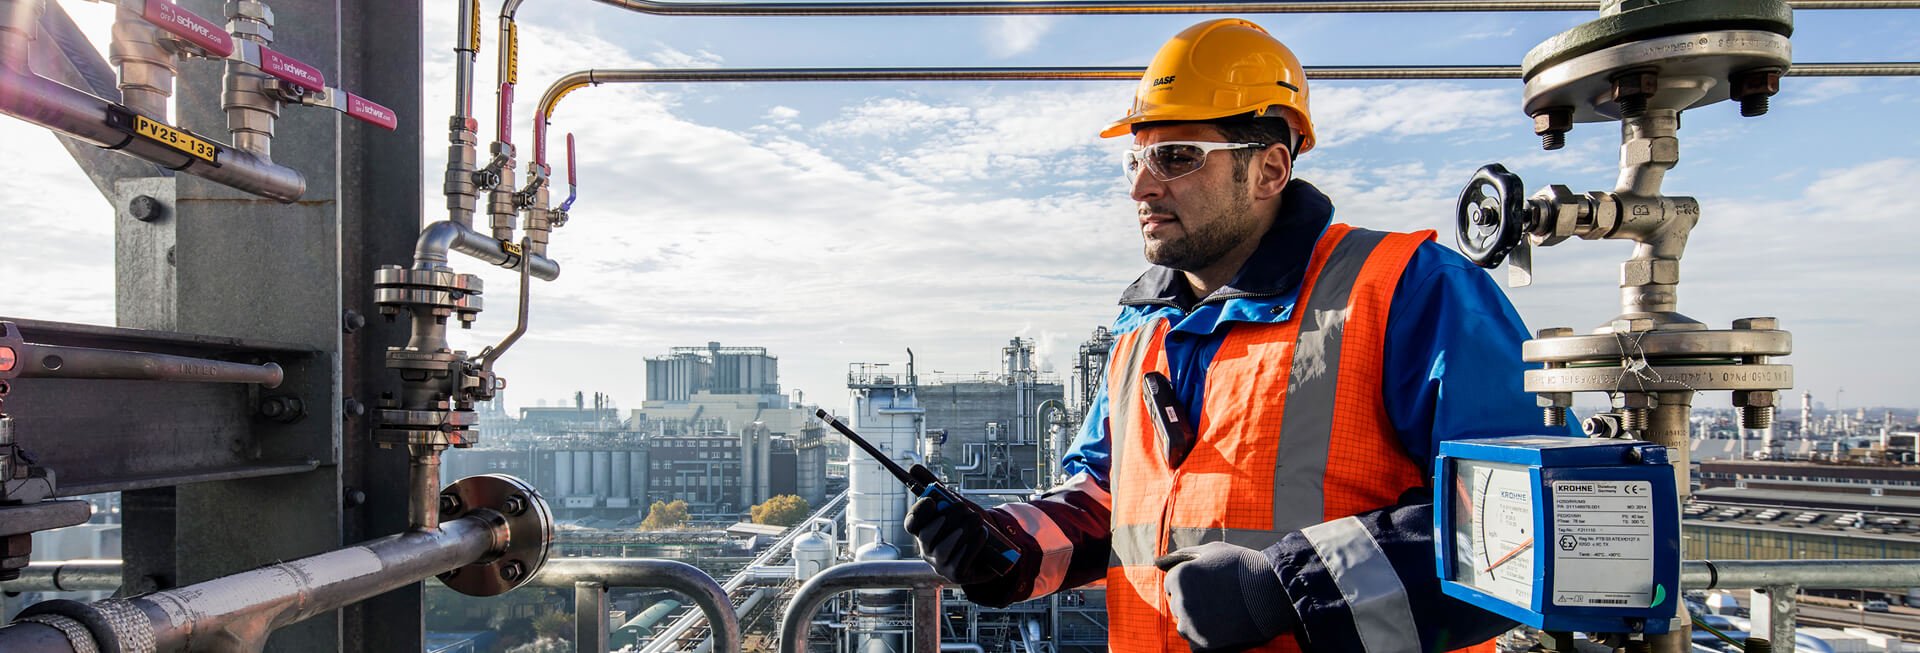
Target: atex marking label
(1603,543)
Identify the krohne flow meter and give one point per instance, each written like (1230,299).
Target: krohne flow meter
(1560,533)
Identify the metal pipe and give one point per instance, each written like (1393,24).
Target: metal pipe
(66,576)
(251,108)
(576,80)
(459,186)
(1153,7)
(1811,574)
(35,99)
(680,577)
(806,602)
(423,489)
(146,69)
(590,617)
(430,252)
(926,620)
(1669,427)
(57,362)
(238,612)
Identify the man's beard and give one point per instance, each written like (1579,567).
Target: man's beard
(1200,248)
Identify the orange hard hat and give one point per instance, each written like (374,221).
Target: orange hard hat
(1222,68)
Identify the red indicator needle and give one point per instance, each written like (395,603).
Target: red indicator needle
(1509,556)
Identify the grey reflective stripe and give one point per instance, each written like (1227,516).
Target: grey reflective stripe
(1123,392)
(1306,427)
(1133,544)
(1375,598)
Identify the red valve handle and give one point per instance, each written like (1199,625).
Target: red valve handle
(371,112)
(203,33)
(292,71)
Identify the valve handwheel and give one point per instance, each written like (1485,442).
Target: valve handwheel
(1490,216)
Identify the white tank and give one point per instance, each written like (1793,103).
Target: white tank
(813,552)
(891,419)
(876,613)
(582,474)
(562,474)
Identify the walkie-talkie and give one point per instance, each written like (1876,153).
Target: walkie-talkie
(923,483)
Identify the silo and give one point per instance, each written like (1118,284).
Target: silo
(602,474)
(640,476)
(582,474)
(562,474)
(622,474)
(890,418)
(811,475)
(813,552)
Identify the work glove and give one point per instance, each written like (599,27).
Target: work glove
(1225,597)
(953,539)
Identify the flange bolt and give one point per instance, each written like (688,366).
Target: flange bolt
(1552,124)
(449,504)
(1751,89)
(1632,90)
(512,571)
(516,505)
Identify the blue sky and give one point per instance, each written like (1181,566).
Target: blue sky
(835,223)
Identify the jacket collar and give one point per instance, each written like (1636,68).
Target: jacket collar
(1275,268)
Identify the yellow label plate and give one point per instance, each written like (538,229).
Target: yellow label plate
(510,248)
(175,138)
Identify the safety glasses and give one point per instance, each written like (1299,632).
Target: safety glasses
(1172,160)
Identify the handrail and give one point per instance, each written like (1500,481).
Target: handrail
(1109,7)
(1812,574)
(581,574)
(903,574)
(550,101)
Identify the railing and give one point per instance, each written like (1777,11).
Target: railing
(889,574)
(590,578)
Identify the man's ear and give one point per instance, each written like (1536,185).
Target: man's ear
(1272,169)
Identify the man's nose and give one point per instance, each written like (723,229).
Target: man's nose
(1145,187)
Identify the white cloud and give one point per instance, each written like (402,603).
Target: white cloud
(1804,92)
(1016,35)
(1343,114)
(893,117)
(782,114)
(669,57)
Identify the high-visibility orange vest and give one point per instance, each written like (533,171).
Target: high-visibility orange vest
(1293,434)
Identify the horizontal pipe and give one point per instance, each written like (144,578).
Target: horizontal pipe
(239,611)
(57,362)
(441,237)
(550,101)
(678,576)
(67,576)
(1810,574)
(880,574)
(1154,7)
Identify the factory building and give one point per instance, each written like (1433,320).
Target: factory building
(1768,510)
(994,430)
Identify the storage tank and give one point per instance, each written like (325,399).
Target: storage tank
(582,474)
(810,478)
(562,474)
(889,417)
(602,474)
(878,613)
(622,475)
(813,552)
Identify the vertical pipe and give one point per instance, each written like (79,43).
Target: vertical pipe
(926,620)
(251,110)
(1669,428)
(461,139)
(590,617)
(146,69)
(423,487)
(1773,608)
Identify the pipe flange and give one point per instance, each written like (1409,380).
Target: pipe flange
(433,361)
(1693,70)
(529,525)
(439,440)
(1656,346)
(433,428)
(394,275)
(446,300)
(1656,20)
(1660,378)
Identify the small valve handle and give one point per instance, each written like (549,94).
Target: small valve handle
(1490,216)
(208,36)
(371,112)
(573,171)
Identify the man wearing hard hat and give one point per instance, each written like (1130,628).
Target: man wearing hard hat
(1255,471)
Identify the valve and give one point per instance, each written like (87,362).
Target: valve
(573,186)
(1491,216)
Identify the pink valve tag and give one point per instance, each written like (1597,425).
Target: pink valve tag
(205,34)
(292,71)
(367,111)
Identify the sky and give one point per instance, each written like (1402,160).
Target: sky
(849,222)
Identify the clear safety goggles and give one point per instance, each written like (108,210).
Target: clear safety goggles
(1172,160)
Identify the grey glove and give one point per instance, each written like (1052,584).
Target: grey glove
(1225,597)
(953,540)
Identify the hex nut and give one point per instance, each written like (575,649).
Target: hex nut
(1563,210)
(1554,332)
(1554,399)
(1756,324)
(1755,398)
(1603,217)
(449,504)
(1666,271)
(512,571)
(1634,400)
(516,505)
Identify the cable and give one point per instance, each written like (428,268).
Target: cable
(1723,636)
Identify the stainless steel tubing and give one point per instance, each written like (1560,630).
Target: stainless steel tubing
(806,602)
(423,490)
(56,362)
(146,68)
(67,576)
(1811,574)
(76,113)
(238,612)
(440,237)
(1153,7)
(680,577)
